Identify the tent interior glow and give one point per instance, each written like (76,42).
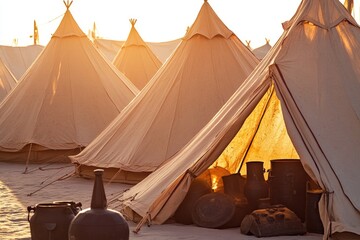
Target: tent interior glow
(158,20)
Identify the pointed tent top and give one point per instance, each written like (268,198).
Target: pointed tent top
(324,14)
(134,38)
(248,44)
(208,24)
(261,51)
(68,3)
(349,5)
(68,26)
(132,21)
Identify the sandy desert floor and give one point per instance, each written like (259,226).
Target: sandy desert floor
(47,183)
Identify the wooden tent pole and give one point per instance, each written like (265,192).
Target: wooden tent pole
(28,159)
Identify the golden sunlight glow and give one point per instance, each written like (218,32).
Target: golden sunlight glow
(263,136)
(158,20)
(16,221)
(345,39)
(310,30)
(215,183)
(213,176)
(55,83)
(2,85)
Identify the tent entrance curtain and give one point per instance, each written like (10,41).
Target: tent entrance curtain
(263,137)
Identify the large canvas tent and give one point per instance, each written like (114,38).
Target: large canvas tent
(67,97)
(19,58)
(136,60)
(314,69)
(186,92)
(7,81)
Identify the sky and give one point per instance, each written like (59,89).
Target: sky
(157,20)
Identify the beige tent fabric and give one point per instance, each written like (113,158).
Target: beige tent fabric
(186,92)
(314,68)
(7,81)
(261,51)
(162,50)
(108,47)
(67,97)
(136,60)
(19,59)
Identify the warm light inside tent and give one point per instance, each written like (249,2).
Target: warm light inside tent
(310,30)
(262,137)
(213,176)
(215,182)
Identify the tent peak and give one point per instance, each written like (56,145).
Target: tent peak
(68,3)
(132,21)
(267,40)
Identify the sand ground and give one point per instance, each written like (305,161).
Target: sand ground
(47,183)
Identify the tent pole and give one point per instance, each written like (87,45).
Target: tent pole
(257,129)
(28,159)
(146,218)
(113,177)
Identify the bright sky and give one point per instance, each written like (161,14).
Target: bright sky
(157,20)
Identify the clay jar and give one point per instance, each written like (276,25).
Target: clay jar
(255,185)
(98,222)
(50,221)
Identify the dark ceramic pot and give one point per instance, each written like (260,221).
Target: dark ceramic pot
(255,186)
(98,222)
(50,221)
(287,181)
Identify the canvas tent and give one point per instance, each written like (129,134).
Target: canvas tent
(162,50)
(108,47)
(261,51)
(314,70)
(19,59)
(7,81)
(136,60)
(67,97)
(185,93)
